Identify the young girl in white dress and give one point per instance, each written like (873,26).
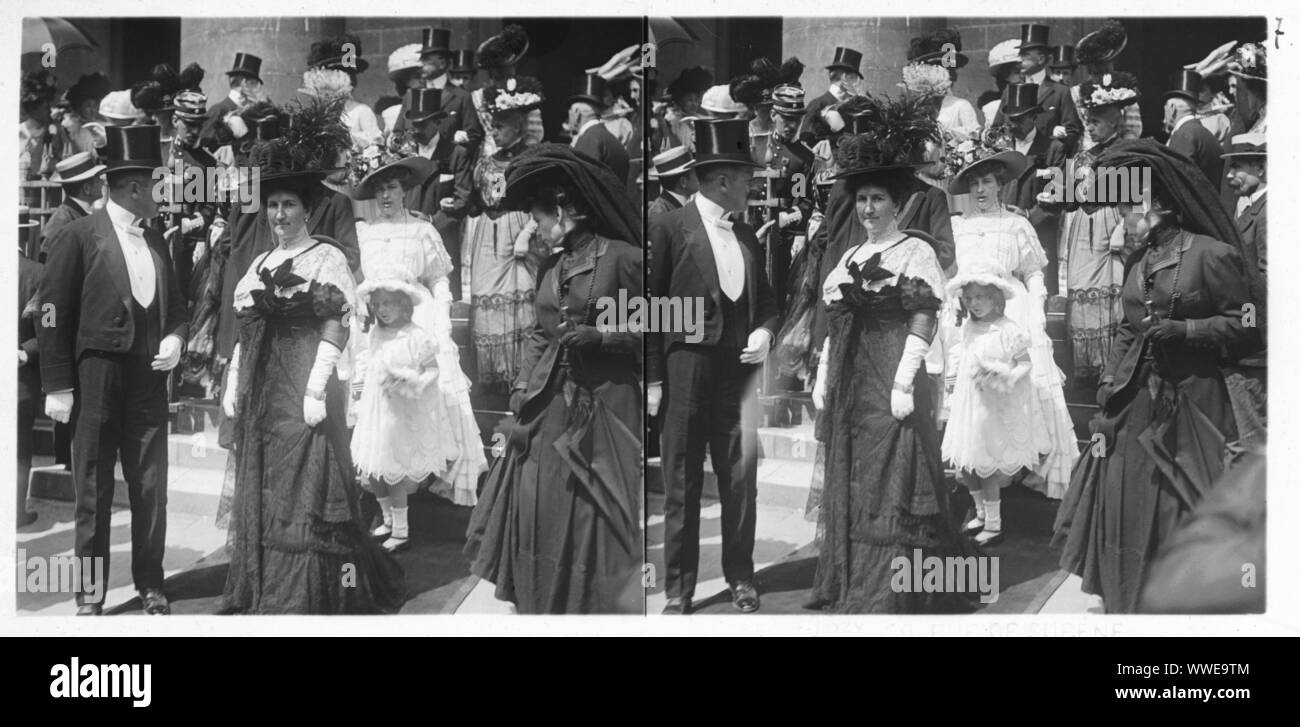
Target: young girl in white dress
(990,434)
(398,442)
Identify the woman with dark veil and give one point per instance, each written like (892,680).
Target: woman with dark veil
(557,526)
(298,543)
(1175,398)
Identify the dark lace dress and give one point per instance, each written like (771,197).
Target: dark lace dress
(297,543)
(884,493)
(557,528)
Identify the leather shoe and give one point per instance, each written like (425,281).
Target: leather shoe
(744,596)
(155,603)
(90,609)
(678,606)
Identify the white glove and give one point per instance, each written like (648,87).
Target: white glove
(313,411)
(190,224)
(1059,132)
(789,218)
(1116,242)
(236,124)
(230,396)
(823,374)
(460,137)
(654,394)
(1038,291)
(523,241)
(914,350)
(22,357)
(169,354)
(766,228)
(760,342)
(327,354)
(58,406)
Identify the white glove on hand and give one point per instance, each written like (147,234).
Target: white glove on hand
(229,396)
(654,394)
(819,391)
(460,137)
(523,241)
(1059,132)
(914,350)
(760,342)
(190,224)
(789,218)
(59,406)
(169,354)
(313,411)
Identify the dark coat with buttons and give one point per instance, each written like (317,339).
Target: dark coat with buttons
(85,297)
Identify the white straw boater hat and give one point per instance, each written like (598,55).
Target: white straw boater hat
(981,273)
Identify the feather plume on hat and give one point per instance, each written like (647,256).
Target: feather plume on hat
(790,72)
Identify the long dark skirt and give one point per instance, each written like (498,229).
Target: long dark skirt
(884,496)
(557,527)
(1167,452)
(298,544)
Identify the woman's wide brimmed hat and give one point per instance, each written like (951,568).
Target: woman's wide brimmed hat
(980,273)
(1117,90)
(884,135)
(405,58)
(1250,61)
(520,94)
(611,212)
(117,106)
(389,284)
(940,48)
(718,100)
(1101,45)
(503,49)
(342,52)
(980,159)
(310,146)
(1004,53)
(380,162)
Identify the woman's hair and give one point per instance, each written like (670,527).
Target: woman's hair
(895,183)
(404,303)
(987,97)
(997,169)
(999,300)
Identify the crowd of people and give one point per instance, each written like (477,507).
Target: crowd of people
(899,254)
(321,318)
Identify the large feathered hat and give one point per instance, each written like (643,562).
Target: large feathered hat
(691,80)
(972,155)
(342,52)
(940,48)
(310,146)
(92,87)
(158,93)
(1116,89)
(504,49)
(521,93)
(1101,45)
(38,86)
(892,134)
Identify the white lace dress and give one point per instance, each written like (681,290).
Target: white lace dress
(410,250)
(395,438)
(990,427)
(1008,241)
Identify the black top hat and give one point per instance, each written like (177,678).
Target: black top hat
(1186,84)
(341,53)
(1022,99)
(846,59)
(1063,57)
(1033,35)
(132,148)
(591,88)
(435,40)
(463,61)
(722,141)
(246,64)
(424,104)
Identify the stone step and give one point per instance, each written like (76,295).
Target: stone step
(794,443)
(191,490)
(782,483)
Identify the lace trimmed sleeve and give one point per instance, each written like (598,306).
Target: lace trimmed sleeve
(336,289)
(1030,249)
(248,283)
(919,263)
(437,263)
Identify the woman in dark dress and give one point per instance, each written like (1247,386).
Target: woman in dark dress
(1174,404)
(884,495)
(557,525)
(298,543)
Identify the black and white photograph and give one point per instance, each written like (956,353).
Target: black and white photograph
(308,316)
(776,319)
(984,320)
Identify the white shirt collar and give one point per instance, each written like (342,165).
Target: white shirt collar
(1023,146)
(426,150)
(121,217)
(86,207)
(236,95)
(440,82)
(682,198)
(1037,77)
(710,211)
(1180,122)
(1258,194)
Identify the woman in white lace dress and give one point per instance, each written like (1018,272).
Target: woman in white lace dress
(403,245)
(992,236)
